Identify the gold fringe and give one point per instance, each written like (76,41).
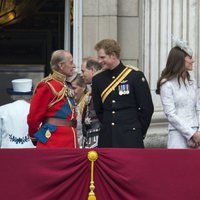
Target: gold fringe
(92,156)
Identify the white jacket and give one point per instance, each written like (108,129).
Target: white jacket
(13,125)
(181,105)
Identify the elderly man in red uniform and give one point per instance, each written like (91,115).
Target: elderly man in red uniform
(51,118)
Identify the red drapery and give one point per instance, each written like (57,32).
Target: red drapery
(120,174)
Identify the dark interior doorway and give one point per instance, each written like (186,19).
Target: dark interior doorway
(26,46)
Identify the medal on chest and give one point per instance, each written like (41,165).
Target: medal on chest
(123,89)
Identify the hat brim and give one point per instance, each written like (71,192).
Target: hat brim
(10,91)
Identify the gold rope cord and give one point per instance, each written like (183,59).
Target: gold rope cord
(92,156)
(58,95)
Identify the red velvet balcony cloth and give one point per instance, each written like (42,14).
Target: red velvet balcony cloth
(120,174)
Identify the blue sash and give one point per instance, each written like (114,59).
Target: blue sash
(40,134)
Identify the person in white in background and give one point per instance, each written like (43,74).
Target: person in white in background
(13,116)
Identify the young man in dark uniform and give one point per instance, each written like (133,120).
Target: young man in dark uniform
(122,99)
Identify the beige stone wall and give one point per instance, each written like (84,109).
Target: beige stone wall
(128,30)
(99,22)
(117,19)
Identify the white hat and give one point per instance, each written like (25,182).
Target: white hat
(21,86)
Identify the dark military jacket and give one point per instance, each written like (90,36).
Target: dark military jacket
(126,112)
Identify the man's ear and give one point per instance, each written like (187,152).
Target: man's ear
(93,70)
(60,66)
(113,55)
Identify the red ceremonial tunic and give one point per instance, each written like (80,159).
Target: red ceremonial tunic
(52,100)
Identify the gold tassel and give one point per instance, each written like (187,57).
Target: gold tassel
(92,156)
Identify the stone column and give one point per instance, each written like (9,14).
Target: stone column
(67,26)
(77,33)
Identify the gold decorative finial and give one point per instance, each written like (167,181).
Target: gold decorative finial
(92,156)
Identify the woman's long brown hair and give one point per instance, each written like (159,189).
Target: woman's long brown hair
(175,67)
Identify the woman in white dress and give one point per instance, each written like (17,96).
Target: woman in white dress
(180,99)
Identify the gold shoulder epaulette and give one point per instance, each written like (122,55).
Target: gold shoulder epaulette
(132,67)
(98,72)
(46,79)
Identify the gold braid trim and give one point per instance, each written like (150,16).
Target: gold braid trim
(46,79)
(64,92)
(56,76)
(57,95)
(132,67)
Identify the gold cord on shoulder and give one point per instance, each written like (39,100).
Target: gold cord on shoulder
(64,92)
(132,67)
(48,78)
(57,95)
